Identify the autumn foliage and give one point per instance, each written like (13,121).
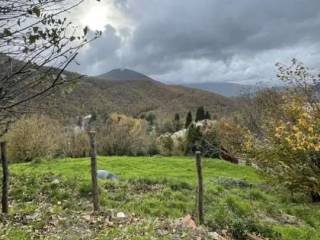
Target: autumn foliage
(289,150)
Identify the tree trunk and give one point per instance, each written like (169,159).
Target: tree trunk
(199,188)
(5,179)
(93,154)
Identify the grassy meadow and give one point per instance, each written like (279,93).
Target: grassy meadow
(237,198)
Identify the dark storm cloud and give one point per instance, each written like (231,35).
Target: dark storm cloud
(209,40)
(100,54)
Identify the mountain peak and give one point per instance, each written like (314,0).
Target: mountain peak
(123,74)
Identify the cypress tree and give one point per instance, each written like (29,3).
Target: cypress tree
(200,114)
(207,115)
(194,137)
(177,117)
(177,124)
(188,120)
(151,118)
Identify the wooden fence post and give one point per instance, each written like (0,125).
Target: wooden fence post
(93,155)
(199,188)
(5,179)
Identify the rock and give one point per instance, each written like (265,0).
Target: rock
(108,223)
(120,218)
(86,217)
(289,219)
(33,216)
(56,181)
(161,232)
(215,236)
(121,215)
(103,174)
(188,222)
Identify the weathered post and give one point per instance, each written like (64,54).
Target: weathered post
(93,155)
(5,179)
(199,188)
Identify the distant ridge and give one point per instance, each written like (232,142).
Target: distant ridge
(123,75)
(222,88)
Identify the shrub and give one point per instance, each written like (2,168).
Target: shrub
(231,136)
(35,136)
(240,227)
(165,144)
(226,216)
(172,144)
(232,182)
(201,135)
(77,145)
(123,135)
(290,148)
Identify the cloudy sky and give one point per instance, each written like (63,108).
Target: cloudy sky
(178,41)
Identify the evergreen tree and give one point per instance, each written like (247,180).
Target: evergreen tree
(151,118)
(177,117)
(193,140)
(177,124)
(188,120)
(207,115)
(200,114)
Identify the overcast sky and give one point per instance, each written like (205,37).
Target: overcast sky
(178,41)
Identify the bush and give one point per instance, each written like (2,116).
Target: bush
(232,182)
(77,145)
(33,137)
(201,135)
(231,136)
(240,227)
(172,144)
(234,216)
(123,135)
(290,148)
(165,144)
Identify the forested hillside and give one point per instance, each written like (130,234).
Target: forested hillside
(132,97)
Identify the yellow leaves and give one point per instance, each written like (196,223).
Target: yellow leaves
(310,129)
(306,115)
(295,129)
(300,130)
(302,121)
(280,128)
(288,140)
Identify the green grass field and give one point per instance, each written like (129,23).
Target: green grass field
(237,198)
(174,168)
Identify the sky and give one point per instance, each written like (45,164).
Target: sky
(182,41)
